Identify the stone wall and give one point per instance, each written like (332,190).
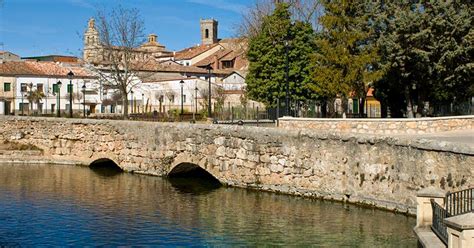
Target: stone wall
(380,171)
(381,126)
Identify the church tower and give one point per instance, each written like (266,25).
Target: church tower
(91,42)
(209,31)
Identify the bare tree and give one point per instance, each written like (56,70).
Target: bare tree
(302,10)
(220,96)
(121,32)
(217,93)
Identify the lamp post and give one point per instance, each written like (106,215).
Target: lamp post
(84,99)
(143,103)
(70,75)
(287,66)
(195,103)
(22,104)
(182,108)
(131,92)
(59,98)
(29,100)
(209,109)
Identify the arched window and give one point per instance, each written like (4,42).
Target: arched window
(207,33)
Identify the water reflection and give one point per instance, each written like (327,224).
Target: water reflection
(191,179)
(63,205)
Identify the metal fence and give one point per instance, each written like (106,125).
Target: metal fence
(460,202)
(438,226)
(456,203)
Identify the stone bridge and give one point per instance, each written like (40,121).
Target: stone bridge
(375,170)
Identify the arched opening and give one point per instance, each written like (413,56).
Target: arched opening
(105,167)
(207,33)
(191,179)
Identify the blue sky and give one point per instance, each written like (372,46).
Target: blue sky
(43,27)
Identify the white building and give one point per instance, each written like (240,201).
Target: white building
(163,96)
(27,79)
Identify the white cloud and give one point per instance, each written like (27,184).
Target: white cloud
(221,4)
(81,3)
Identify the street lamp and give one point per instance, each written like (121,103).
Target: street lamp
(84,99)
(182,84)
(29,100)
(209,110)
(59,98)
(143,103)
(132,100)
(70,75)
(22,103)
(287,67)
(195,103)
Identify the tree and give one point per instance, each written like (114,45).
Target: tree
(280,41)
(307,11)
(35,96)
(121,32)
(220,96)
(427,53)
(346,55)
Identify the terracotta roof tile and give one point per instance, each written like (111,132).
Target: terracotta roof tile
(192,52)
(51,69)
(211,58)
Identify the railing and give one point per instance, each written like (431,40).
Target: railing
(460,202)
(438,226)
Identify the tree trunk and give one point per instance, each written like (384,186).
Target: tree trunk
(324,110)
(362,107)
(409,103)
(125,105)
(332,108)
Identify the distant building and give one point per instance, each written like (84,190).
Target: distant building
(220,54)
(95,53)
(8,56)
(18,79)
(53,58)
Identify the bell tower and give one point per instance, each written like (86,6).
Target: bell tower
(208,31)
(91,41)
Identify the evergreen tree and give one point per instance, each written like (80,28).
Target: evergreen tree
(268,50)
(427,54)
(344,63)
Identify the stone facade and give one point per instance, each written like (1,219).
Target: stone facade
(381,126)
(209,31)
(95,52)
(382,171)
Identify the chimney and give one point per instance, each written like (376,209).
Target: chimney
(216,62)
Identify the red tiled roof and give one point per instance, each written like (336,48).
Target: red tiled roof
(211,58)
(51,69)
(192,52)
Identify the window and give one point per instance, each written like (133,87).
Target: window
(227,64)
(23,87)
(171,98)
(7,87)
(187,63)
(207,33)
(69,88)
(55,88)
(39,88)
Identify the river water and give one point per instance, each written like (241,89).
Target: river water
(53,205)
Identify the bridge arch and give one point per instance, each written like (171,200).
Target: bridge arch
(104,163)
